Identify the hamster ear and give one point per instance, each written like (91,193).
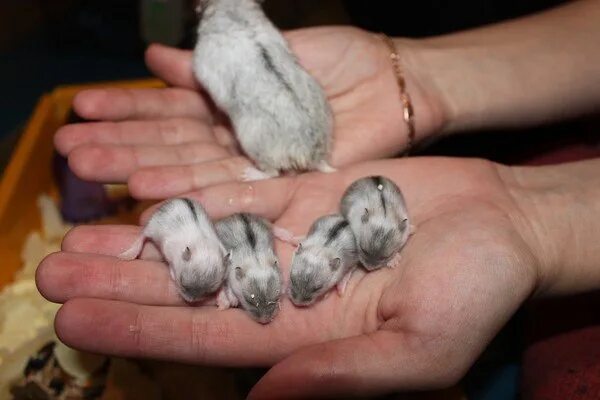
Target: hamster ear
(335,263)
(227,258)
(187,254)
(299,248)
(200,4)
(404,224)
(239,273)
(365,216)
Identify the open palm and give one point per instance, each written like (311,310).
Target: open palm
(170,141)
(419,325)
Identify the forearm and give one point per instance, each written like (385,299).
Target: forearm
(528,71)
(560,208)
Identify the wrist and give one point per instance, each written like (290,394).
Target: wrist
(430,111)
(447,74)
(558,209)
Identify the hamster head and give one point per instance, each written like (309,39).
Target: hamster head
(312,274)
(198,269)
(260,290)
(379,239)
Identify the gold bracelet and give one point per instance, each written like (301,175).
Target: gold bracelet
(408,112)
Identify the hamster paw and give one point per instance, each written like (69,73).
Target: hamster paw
(394,261)
(134,251)
(343,283)
(251,174)
(412,229)
(224,299)
(325,168)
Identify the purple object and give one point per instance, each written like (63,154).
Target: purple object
(81,201)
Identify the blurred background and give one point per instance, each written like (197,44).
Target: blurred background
(44,44)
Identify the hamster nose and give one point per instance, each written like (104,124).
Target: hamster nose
(193,290)
(301,301)
(371,262)
(265,318)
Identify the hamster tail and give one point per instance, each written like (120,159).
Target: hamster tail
(286,236)
(134,251)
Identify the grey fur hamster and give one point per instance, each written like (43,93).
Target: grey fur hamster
(253,276)
(189,243)
(279,112)
(325,258)
(376,210)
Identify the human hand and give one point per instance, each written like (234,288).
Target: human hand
(421,325)
(171,141)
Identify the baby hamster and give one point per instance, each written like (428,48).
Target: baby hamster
(279,112)
(325,258)
(189,243)
(376,211)
(253,276)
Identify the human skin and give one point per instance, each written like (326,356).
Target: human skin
(524,72)
(488,238)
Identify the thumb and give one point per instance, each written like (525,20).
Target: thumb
(366,365)
(172,65)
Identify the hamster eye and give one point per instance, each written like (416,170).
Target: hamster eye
(365,216)
(317,288)
(364,251)
(239,273)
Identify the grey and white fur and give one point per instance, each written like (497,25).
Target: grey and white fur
(376,210)
(189,243)
(279,112)
(253,277)
(325,258)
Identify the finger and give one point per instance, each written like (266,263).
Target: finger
(364,365)
(174,66)
(202,335)
(64,276)
(114,104)
(268,198)
(112,163)
(108,240)
(164,182)
(168,132)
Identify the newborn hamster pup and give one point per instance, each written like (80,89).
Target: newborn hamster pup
(326,258)
(279,112)
(253,276)
(189,243)
(376,211)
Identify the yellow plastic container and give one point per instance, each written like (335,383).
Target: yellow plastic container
(29,172)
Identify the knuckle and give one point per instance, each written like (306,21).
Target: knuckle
(136,332)
(115,281)
(169,131)
(198,337)
(130,97)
